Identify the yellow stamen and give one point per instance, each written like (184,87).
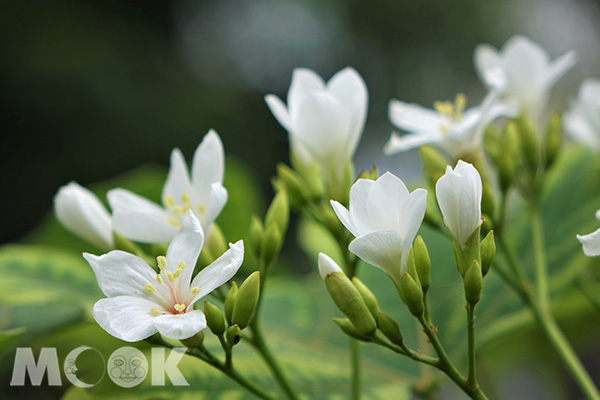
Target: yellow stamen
(149,288)
(159,279)
(174,222)
(161,261)
(195,290)
(459,103)
(170,276)
(185,198)
(169,201)
(201,209)
(177,210)
(155,311)
(179,269)
(179,307)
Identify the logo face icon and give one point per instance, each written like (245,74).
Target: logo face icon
(70,367)
(127,367)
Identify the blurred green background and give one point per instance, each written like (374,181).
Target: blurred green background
(91,90)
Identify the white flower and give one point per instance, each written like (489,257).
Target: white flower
(384,217)
(324,121)
(141,302)
(529,72)
(591,241)
(459,196)
(582,120)
(81,212)
(139,219)
(448,126)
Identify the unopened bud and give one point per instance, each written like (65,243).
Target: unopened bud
(234,335)
(214,318)
(434,163)
(230,301)
(216,241)
(256,235)
(470,251)
(314,182)
(488,251)
(194,341)
(554,134)
(371,174)
(529,141)
(390,328)
(473,281)
(491,142)
(508,156)
(488,205)
(293,185)
(412,295)
(246,301)
(422,262)
(349,329)
(278,212)
(271,244)
(367,296)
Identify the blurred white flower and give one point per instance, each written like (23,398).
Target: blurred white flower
(324,121)
(459,196)
(140,302)
(582,121)
(591,241)
(139,219)
(448,126)
(384,218)
(528,70)
(82,213)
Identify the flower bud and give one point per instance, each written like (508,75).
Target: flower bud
(465,255)
(349,329)
(491,143)
(216,242)
(554,134)
(214,318)
(314,182)
(278,212)
(346,297)
(368,296)
(422,262)
(371,174)
(293,185)
(434,163)
(256,235)
(412,295)
(473,281)
(271,244)
(529,141)
(233,335)
(230,301)
(390,328)
(488,251)
(194,341)
(488,205)
(508,156)
(246,301)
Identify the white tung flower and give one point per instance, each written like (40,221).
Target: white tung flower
(459,196)
(141,302)
(324,121)
(139,219)
(448,126)
(384,218)
(582,120)
(528,70)
(591,241)
(82,213)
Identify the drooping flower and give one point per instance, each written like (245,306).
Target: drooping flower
(141,302)
(591,241)
(384,218)
(81,212)
(582,121)
(459,197)
(324,121)
(139,219)
(448,126)
(529,72)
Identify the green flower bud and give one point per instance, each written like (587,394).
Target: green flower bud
(508,154)
(486,225)
(255,236)
(314,182)
(216,241)
(367,296)
(411,267)
(293,185)
(422,263)
(214,318)
(390,328)
(488,251)
(349,329)
(372,174)
(488,205)
(246,301)
(205,258)
(466,254)
(473,281)
(230,301)
(194,341)
(412,295)
(529,141)
(278,212)
(553,140)
(491,142)
(434,163)
(233,335)
(330,220)
(271,244)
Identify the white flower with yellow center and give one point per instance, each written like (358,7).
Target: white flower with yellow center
(141,302)
(139,219)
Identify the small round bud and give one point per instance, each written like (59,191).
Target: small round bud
(293,185)
(278,212)
(349,329)
(529,141)
(473,281)
(234,335)
(272,241)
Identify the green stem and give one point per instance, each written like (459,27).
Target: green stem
(260,344)
(541,269)
(405,351)
(355,369)
(471,375)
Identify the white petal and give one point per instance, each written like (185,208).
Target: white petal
(398,144)
(589,101)
(81,212)
(186,247)
(598,214)
(524,59)
(345,217)
(220,271)
(304,82)
(359,193)
(486,59)
(327,265)
(123,274)
(178,180)
(208,164)
(125,317)
(216,202)
(382,249)
(590,243)
(557,68)
(414,118)
(413,214)
(180,326)
(385,203)
(578,128)
(137,218)
(279,110)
